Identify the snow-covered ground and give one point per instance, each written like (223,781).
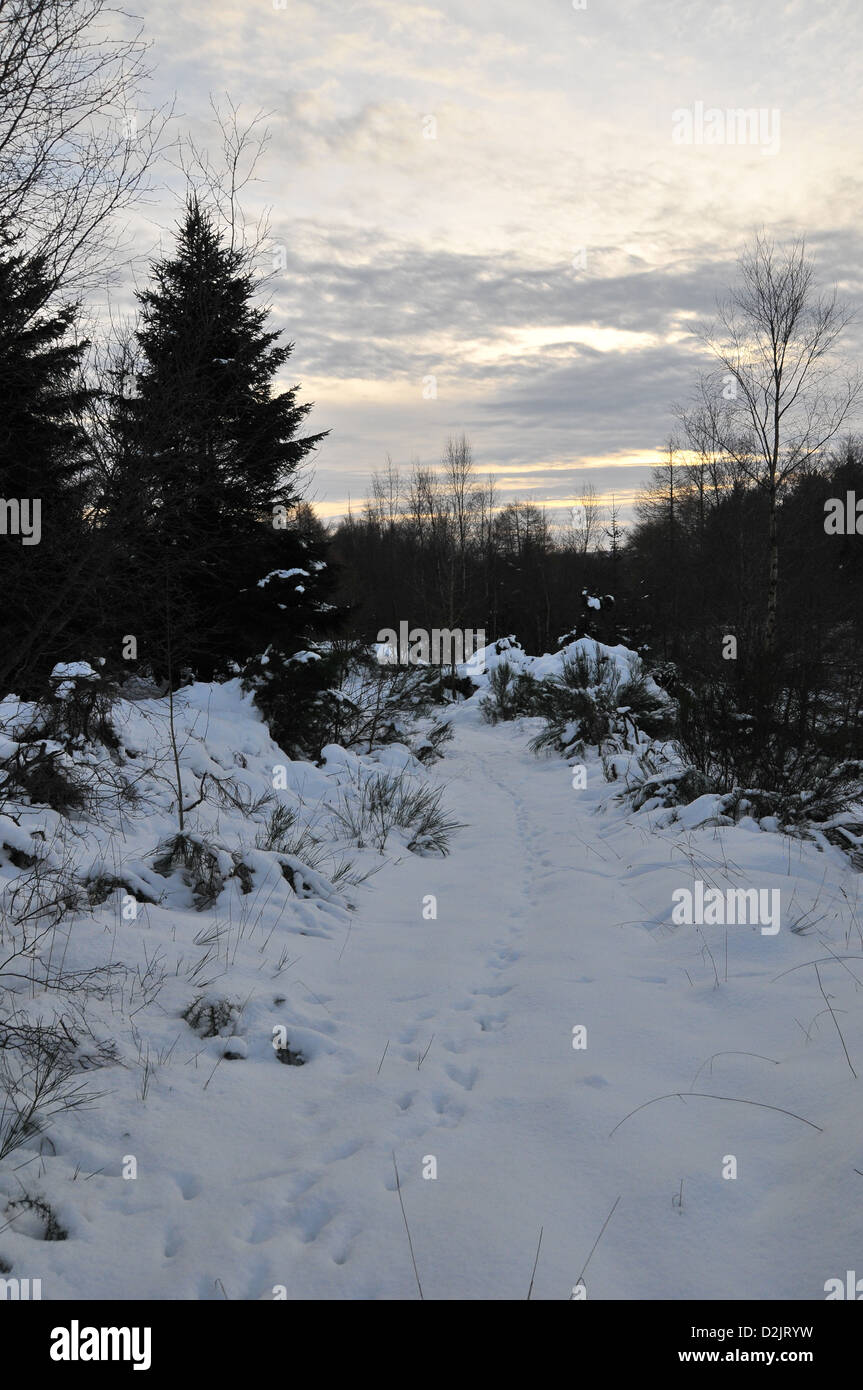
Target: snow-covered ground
(436,1015)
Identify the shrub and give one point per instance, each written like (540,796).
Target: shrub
(389,800)
(428,749)
(43,776)
(453,687)
(44,1223)
(205,867)
(777,731)
(76,711)
(342,696)
(511,695)
(294,842)
(298,697)
(211,1017)
(591,702)
(55,756)
(37,1070)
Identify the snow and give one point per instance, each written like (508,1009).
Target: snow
(69,669)
(281,574)
(702,811)
(13,836)
(448,1037)
(66,673)
(508,651)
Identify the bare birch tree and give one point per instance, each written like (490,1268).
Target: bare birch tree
(785,395)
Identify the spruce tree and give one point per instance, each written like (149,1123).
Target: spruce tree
(43,477)
(207,481)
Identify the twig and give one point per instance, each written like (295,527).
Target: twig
(710,953)
(312,993)
(407,1227)
(598,1239)
(735,1053)
(803,965)
(420,1060)
(347,939)
(835,1020)
(535,1263)
(213,1072)
(707,1095)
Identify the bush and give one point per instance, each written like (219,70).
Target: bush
(211,1017)
(56,756)
(43,775)
(778,731)
(44,1224)
(511,695)
(453,687)
(299,698)
(295,843)
(79,710)
(428,749)
(588,702)
(389,800)
(205,867)
(669,788)
(37,1082)
(342,696)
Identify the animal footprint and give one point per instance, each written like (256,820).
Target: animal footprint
(504,959)
(189,1184)
(317,1213)
(173,1242)
(345,1150)
(490,1023)
(464,1078)
(448,1109)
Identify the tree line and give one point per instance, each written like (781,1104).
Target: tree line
(740,579)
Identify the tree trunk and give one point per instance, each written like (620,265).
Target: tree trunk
(773,575)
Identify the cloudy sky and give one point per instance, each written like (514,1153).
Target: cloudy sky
(490,216)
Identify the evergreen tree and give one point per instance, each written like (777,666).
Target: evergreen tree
(205,484)
(296,677)
(43,477)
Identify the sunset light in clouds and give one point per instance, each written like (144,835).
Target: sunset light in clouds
(490,194)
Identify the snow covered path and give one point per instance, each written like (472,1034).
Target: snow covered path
(541,926)
(451,1038)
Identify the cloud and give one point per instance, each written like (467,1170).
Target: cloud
(489,194)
